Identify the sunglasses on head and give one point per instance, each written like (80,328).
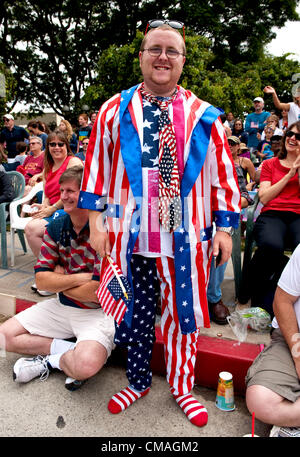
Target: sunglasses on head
(290,133)
(154,23)
(60,145)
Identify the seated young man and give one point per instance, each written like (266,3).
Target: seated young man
(273,386)
(68,266)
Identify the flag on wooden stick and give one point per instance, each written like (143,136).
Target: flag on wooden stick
(114,292)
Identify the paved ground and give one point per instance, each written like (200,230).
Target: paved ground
(47,409)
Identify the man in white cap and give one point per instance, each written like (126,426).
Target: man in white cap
(255,123)
(10,135)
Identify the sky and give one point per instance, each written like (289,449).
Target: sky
(287,40)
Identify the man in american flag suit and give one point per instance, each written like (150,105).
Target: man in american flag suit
(122,178)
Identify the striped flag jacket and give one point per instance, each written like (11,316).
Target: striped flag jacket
(112,182)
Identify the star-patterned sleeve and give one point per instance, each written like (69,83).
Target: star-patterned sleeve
(97,169)
(226,198)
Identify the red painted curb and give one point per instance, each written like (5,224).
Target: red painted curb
(213,356)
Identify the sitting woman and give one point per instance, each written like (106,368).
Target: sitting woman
(33,164)
(66,128)
(57,158)
(243,162)
(7,193)
(238,130)
(36,128)
(278,225)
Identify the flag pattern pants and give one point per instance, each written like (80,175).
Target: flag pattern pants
(154,280)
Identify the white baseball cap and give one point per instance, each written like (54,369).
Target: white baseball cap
(258,99)
(8,116)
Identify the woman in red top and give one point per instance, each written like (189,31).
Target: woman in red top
(278,225)
(57,158)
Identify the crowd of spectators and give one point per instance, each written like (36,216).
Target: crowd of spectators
(265,150)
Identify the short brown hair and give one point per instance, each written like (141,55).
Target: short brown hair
(85,116)
(72,174)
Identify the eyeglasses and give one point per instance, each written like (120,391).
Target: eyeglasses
(231,143)
(60,145)
(170,53)
(35,142)
(5,120)
(153,23)
(85,144)
(290,134)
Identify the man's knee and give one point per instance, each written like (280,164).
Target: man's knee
(263,402)
(8,331)
(88,362)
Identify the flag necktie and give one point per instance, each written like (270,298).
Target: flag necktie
(169,182)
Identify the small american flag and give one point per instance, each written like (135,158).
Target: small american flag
(111,295)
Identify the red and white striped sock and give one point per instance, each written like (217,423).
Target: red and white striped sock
(192,408)
(120,401)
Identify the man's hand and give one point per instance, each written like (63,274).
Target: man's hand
(222,241)
(269,90)
(100,242)
(59,269)
(99,238)
(44,211)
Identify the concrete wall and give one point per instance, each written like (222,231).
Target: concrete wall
(22,119)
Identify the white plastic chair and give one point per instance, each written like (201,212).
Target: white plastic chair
(17,222)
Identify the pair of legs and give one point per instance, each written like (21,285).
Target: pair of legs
(217,310)
(151,277)
(273,232)
(273,387)
(34,232)
(43,328)
(216,277)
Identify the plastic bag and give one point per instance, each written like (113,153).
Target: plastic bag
(256,318)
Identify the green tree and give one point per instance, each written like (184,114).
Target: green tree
(53,48)
(231,88)
(8,88)
(118,68)
(239,30)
